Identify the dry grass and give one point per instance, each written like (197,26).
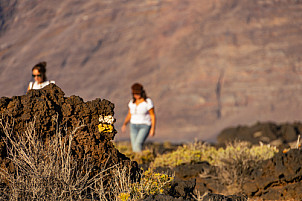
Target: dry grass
(44,172)
(49,171)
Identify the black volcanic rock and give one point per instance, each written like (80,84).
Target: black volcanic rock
(262,132)
(182,188)
(51,110)
(277,178)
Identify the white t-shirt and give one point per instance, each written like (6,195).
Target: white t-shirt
(35,85)
(140,113)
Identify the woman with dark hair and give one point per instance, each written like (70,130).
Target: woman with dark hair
(39,74)
(141,116)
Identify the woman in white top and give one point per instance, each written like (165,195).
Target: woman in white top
(141,116)
(39,74)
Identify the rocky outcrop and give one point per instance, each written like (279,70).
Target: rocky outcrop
(275,134)
(52,111)
(277,178)
(193,171)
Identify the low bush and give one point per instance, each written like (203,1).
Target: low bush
(200,151)
(121,187)
(187,153)
(233,164)
(236,162)
(151,184)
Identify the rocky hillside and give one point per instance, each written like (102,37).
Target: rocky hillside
(207,65)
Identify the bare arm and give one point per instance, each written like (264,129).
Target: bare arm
(153,122)
(29,87)
(127,120)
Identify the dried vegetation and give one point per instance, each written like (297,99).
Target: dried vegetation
(48,171)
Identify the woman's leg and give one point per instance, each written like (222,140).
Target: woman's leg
(143,132)
(133,135)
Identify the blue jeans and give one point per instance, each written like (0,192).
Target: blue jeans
(138,135)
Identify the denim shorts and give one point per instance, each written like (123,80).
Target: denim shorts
(138,135)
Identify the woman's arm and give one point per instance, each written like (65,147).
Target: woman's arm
(127,119)
(153,122)
(29,86)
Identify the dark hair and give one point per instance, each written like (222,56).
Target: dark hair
(41,67)
(138,89)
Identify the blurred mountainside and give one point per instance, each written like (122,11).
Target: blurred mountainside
(206,64)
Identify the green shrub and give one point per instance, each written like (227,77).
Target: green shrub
(199,151)
(187,153)
(151,184)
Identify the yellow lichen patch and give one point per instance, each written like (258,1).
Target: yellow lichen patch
(105,128)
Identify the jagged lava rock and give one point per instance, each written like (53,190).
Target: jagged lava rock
(51,110)
(277,178)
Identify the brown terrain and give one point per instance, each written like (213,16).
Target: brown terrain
(278,178)
(207,65)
